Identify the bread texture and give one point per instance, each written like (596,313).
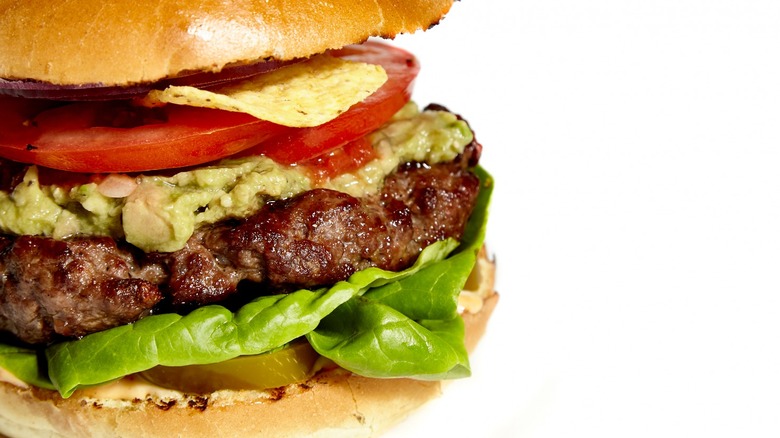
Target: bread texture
(334,402)
(125,42)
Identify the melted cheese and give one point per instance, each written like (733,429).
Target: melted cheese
(7,377)
(129,388)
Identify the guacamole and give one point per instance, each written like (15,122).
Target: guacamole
(161,212)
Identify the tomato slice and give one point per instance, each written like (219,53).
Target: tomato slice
(350,157)
(72,138)
(114,136)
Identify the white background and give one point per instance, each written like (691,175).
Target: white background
(636,220)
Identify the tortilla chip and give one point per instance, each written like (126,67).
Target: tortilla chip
(304,94)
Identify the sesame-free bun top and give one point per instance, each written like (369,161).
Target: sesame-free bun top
(126,42)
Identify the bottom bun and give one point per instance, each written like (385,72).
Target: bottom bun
(334,402)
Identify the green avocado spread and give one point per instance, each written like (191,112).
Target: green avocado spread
(160,213)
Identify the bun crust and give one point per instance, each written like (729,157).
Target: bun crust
(124,42)
(333,403)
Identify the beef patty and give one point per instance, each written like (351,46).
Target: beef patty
(53,289)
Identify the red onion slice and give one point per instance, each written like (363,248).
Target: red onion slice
(97,91)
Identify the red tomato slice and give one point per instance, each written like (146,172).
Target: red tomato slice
(71,137)
(350,157)
(100,137)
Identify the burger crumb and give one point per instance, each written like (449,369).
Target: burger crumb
(198,402)
(94,404)
(163,405)
(277,394)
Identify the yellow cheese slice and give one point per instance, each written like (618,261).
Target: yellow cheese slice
(304,94)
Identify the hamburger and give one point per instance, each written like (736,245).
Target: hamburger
(231,219)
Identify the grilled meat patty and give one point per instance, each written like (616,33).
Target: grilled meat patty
(55,289)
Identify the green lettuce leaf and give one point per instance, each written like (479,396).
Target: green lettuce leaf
(24,364)
(410,328)
(413,310)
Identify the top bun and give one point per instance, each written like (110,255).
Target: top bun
(126,42)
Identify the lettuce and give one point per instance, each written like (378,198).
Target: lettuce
(24,364)
(377,323)
(409,328)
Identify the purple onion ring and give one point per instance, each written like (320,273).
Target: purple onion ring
(97,91)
